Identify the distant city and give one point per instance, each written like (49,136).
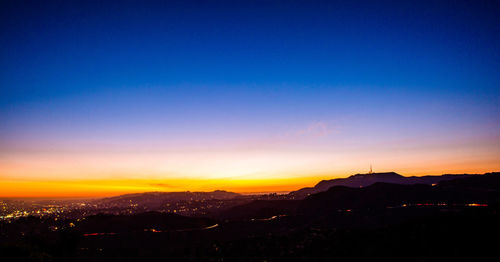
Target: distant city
(192,203)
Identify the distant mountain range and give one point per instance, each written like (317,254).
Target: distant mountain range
(156,199)
(376,191)
(363,180)
(482,189)
(461,191)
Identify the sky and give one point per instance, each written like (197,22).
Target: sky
(101,98)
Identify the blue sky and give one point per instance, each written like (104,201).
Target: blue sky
(185,75)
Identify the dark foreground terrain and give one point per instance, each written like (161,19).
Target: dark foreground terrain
(454,220)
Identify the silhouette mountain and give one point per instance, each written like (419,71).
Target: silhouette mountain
(461,191)
(484,189)
(363,180)
(488,181)
(156,199)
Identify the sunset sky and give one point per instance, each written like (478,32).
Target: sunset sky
(249,96)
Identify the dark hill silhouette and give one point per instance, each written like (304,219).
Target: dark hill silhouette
(363,180)
(469,189)
(461,191)
(488,181)
(156,199)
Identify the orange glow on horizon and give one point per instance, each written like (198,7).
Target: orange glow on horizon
(104,188)
(87,174)
(94,188)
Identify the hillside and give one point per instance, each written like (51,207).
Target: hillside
(156,199)
(363,180)
(484,189)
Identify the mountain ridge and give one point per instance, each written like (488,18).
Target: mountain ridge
(484,189)
(156,199)
(353,181)
(363,180)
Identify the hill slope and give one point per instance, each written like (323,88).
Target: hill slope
(483,189)
(156,199)
(363,180)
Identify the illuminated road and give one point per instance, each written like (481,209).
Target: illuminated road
(267,219)
(210,227)
(198,229)
(156,231)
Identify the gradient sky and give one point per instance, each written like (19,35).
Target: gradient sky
(250,96)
